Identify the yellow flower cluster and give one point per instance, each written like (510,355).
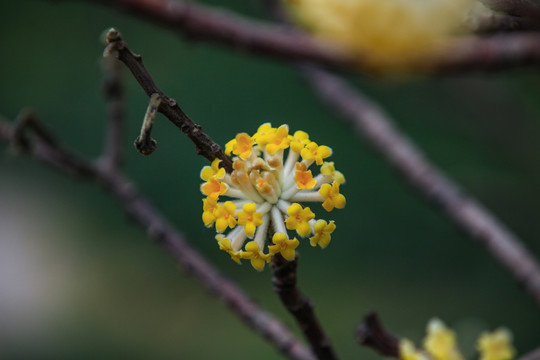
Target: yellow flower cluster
(266,193)
(440,344)
(384,34)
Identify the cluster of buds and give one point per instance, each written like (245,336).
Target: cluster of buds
(440,344)
(266,193)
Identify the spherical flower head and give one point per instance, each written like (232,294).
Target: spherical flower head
(265,194)
(367,28)
(440,342)
(496,345)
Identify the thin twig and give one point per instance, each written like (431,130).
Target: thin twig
(203,23)
(373,334)
(148,218)
(144,142)
(205,146)
(533,355)
(284,280)
(113,90)
(376,127)
(496,52)
(27,122)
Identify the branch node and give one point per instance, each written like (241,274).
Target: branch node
(27,120)
(373,334)
(144,142)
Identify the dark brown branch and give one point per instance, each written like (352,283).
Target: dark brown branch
(148,218)
(373,334)
(284,280)
(533,355)
(203,23)
(113,91)
(169,107)
(376,127)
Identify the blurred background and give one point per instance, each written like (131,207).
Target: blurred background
(79,281)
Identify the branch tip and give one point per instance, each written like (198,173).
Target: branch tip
(373,334)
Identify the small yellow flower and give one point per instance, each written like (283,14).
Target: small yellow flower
(322,231)
(299,219)
(440,342)
(264,134)
(283,245)
(249,218)
(225,245)
(407,351)
(328,169)
(332,197)
(299,140)
(257,257)
(208,172)
(279,141)
(304,179)
(225,216)
(208,217)
(312,151)
(213,188)
(243,146)
(496,345)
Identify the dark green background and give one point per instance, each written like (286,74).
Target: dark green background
(97,288)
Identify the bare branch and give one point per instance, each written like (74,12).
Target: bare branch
(526,9)
(371,122)
(148,218)
(497,52)
(202,23)
(26,122)
(373,334)
(492,22)
(169,107)
(113,90)
(284,280)
(224,28)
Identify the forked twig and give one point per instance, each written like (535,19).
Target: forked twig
(205,146)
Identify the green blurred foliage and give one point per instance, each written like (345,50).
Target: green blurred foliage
(392,252)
